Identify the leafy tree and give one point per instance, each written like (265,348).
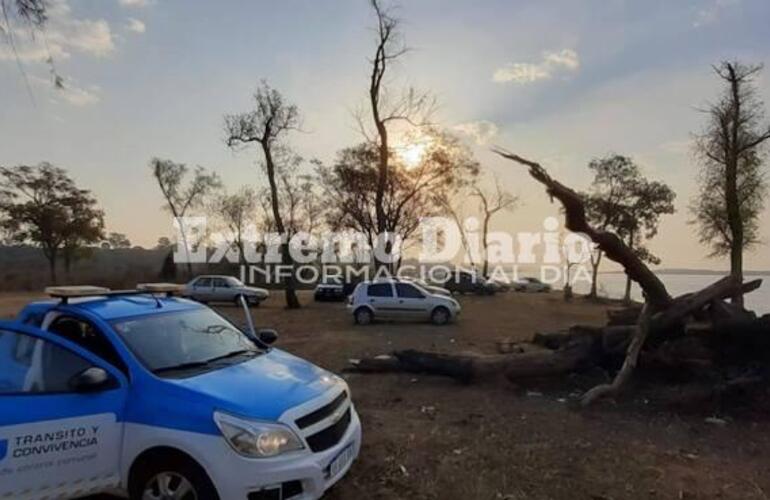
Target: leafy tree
(623,201)
(610,192)
(640,218)
(118,240)
(163,242)
(43,206)
(267,125)
(181,198)
(732,150)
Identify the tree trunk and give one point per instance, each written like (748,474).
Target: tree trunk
(595,262)
(575,352)
(185,244)
(292,302)
(52,267)
(731,186)
(736,264)
(485,233)
(68,266)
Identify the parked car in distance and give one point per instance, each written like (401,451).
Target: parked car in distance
(159,398)
(438,290)
(330,289)
(531,285)
(214,288)
(465,282)
(393,299)
(502,286)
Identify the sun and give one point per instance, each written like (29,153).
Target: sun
(412,154)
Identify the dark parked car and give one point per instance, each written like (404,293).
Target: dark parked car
(331,289)
(465,282)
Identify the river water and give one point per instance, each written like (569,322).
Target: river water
(613,285)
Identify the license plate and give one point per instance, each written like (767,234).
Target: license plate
(339,463)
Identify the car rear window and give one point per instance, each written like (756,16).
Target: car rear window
(381,290)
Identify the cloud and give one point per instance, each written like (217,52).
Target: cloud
(551,64)
(711,12)
(134,3)
(69,93)
(64,36)
(136,26)
(482,131)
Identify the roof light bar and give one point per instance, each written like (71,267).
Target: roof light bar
(81,291)
(71,292)
(167,288)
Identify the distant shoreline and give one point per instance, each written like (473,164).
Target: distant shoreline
(696,272)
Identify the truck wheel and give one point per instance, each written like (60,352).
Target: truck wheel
(363,316)
(173,477)
(440,316)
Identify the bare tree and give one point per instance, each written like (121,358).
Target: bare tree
(452,205)
(409,105)
(235,211)
(267,125)
(179,198)
(492,202)
(412,191)
(732,185)
(33,14)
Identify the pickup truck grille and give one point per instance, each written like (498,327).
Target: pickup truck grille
(330,436)
(323,412)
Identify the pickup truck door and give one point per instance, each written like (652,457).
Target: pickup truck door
(60,436)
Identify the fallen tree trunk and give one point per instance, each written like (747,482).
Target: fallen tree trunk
(468,367)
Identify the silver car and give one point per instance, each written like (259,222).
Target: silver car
(223,289)
(392,299)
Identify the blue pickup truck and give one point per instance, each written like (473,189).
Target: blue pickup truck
(160,397)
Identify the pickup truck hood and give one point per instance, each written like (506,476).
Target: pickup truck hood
(263,387)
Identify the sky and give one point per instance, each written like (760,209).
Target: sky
(560,82)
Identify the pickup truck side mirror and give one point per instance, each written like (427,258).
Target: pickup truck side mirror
(267,336)
(92,379)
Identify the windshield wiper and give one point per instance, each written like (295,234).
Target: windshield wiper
(203,364)
(181,366)
(233,354)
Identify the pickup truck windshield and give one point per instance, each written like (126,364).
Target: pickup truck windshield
(196,341)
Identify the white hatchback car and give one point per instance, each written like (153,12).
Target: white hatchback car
(391,299)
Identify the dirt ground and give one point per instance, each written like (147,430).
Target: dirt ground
(432,438)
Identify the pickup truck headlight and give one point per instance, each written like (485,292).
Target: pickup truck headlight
(256,439)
